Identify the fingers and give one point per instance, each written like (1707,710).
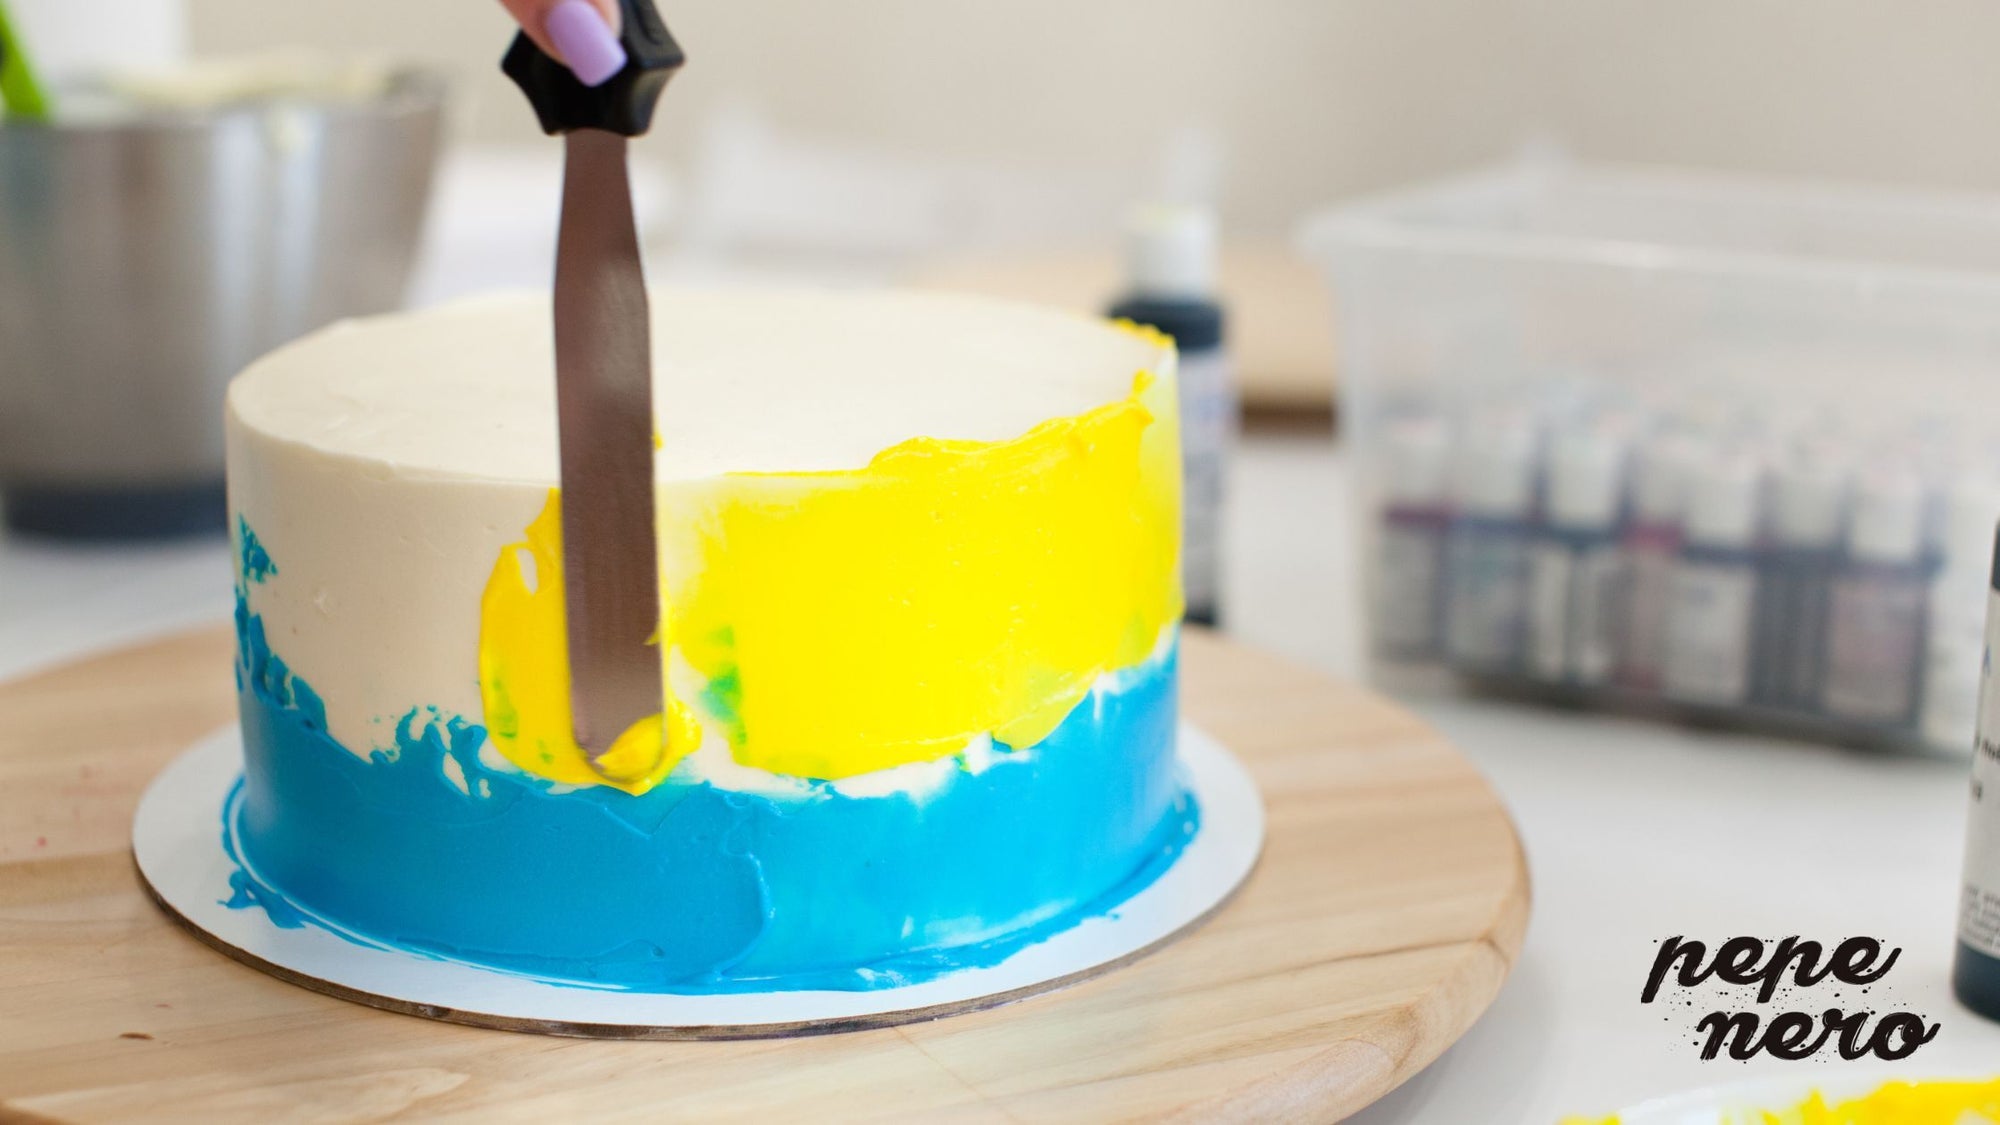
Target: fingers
(582,34)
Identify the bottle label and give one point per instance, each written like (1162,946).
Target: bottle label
(1406,589)
(1795,631)
(1573,612)
(1208,432)
(1550,578)
(1595,598)
(1873,629)
(1708,632)
(1979,908)
(1649,569)
(1486,612)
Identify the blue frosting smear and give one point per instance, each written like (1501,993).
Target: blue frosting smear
(425,846)
(253,562)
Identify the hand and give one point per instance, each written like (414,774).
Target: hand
(581,34)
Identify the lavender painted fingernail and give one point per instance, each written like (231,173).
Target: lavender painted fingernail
(585,41)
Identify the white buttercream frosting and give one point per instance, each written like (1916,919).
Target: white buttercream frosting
(386,463)
(765,382)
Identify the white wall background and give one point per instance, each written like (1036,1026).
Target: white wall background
(1315,98)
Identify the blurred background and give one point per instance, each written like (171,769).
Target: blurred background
(1813,269)
(1317,99)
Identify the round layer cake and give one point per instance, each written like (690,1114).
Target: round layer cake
(919,593)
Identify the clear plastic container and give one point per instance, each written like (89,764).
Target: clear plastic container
(1752,320)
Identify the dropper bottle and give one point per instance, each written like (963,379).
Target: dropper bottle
(1875,621)
(1576,565)
(1486,550)
(1712,600)
(1407,594)
(1170,264)
(1955,636)
(1652,547)
(1808,500)
(1975,972)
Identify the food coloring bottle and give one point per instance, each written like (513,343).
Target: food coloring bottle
(1486,548)
(1170,285)
(1875,620)
(1808,501)
(1711,600)
(1576,565)
(1975,974)
(1652,547)
(1408,599)
(1954,637)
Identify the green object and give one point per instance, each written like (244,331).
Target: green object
(20,92)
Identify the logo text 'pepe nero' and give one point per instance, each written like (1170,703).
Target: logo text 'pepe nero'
(1745,962)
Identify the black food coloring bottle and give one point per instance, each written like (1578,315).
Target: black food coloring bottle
(1976,975)
(1170,285)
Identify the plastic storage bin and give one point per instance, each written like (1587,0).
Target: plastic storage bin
(1712,446)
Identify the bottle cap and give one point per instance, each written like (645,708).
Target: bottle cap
(1493,468)
(1807,495)
(1722,502)
(1170,252)
(1888,522)
(1416,462)
(1584,479)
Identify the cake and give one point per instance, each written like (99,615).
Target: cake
(919,605)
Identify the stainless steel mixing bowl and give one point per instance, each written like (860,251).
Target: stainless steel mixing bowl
(146,258)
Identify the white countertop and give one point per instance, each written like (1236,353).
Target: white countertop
(1634,831)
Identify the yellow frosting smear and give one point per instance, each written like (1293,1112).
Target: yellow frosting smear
(1893,1103)
(524,676)
(838,623)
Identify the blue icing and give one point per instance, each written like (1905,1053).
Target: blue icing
(694,888)
(244,889)
(253,563)
(261,671)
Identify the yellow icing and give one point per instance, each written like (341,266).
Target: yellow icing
(524,675)
(837,623)
(1893,1103)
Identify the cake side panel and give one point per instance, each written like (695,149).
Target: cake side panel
(693,888)
(950,591)
(375,581)
(1009,850)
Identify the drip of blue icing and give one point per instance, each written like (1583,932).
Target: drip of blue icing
(692,888)
(244,889)
(253,562)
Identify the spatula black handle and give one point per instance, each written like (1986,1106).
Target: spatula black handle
(622,105)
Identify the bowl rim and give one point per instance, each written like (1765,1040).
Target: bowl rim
(410,90)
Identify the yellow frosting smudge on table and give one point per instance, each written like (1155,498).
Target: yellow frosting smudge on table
(843,622)
(1893,1103)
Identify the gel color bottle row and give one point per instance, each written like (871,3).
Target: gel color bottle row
(1682,569)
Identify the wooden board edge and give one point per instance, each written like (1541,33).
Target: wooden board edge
(1352,1074)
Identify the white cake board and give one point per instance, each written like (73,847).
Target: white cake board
(177,840)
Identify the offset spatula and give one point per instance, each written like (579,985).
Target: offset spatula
(604,379)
